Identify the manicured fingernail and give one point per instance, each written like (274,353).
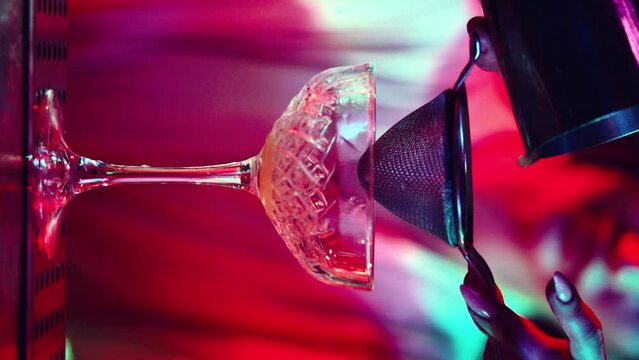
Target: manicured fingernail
(477,303)
(562,287)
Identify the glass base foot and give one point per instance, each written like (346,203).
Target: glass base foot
(49,172)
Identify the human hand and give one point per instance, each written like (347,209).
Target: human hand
(520,338)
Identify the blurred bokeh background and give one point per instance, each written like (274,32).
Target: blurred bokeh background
(197,272)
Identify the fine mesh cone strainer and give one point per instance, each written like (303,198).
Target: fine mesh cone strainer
(422,170)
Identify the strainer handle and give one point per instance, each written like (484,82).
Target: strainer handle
(476,262)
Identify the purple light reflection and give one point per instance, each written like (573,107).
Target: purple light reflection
(628,16)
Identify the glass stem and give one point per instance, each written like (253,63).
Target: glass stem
(94,173)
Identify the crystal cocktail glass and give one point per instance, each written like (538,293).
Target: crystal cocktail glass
(305,175)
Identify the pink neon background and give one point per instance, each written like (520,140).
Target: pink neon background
(181,272)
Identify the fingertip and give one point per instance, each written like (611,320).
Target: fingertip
(563,288)
(473,278)
(481,321)
(475,24)
(478,304)
(488,58)
(559,290)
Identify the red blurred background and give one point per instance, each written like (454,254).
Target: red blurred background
(197,272)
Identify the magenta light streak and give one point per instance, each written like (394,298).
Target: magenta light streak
(630,24)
